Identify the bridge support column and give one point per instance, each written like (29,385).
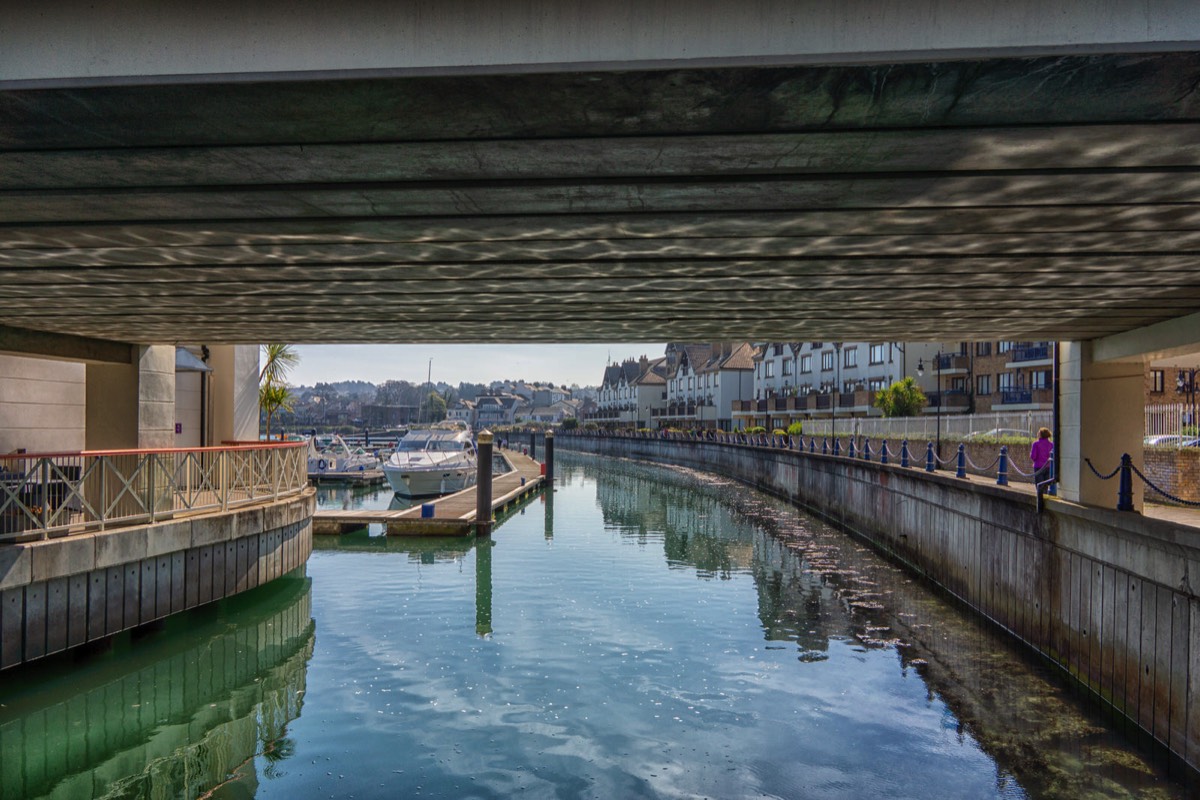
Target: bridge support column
(234,396)
(132,405)
(1101,417)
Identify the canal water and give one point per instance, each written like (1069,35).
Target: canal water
(641,632)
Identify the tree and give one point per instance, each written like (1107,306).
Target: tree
(902,399)
(273,391)
(272,399)
(435,407)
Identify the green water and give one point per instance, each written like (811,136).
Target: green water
(642,632)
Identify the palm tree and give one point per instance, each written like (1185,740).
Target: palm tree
(273,391)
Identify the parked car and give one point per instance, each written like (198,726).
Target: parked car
(998,433)
(1163,440)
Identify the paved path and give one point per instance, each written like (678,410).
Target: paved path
(453,514)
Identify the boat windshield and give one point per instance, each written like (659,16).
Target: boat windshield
(436,445)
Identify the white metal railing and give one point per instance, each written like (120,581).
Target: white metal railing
(44,494)
(1170,425)
(926,425)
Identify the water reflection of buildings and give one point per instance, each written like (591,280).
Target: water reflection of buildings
(174,716)
(816,584)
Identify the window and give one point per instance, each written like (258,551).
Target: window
(850,357)
(983,348)
(1039,379)
(1003,347)
(770,365)
(1157,381)
(805,363)
(817,345)
(787,366)
(877,384)
(691,383)
(1007,382)
(877,353)
(826,361)
(983,384)
(777,350)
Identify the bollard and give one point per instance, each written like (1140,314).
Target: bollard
(533,445)
(483,484)
(549,448)
(824,446)
(929,458)
(1052,489)
(904,452)
(962,462)
(1002,471)
(851,446)
(866,449)
(1125,489)
(883,453)
(812,444)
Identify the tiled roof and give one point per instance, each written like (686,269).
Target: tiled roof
(742,357)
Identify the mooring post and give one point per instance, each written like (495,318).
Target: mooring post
(533,445)
(1002,471)
(549,457)
(483,485)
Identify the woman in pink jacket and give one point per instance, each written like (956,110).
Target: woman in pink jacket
(1040,454)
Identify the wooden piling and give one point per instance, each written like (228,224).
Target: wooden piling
(483,485)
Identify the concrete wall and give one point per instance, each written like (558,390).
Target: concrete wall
(73,40)
(62,593)
(235,393)
(1106,596)
(42,405)
(187,409)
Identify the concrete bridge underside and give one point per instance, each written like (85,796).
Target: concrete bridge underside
(932,194)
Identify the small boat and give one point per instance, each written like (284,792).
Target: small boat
(329,457)
(432,461)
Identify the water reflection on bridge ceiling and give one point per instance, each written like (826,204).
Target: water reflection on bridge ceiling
(921,201)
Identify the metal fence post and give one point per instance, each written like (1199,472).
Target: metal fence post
(866,449)
(929,457)
(1002,470)
(904,452)
(883,453)
(962,462)
(837,447)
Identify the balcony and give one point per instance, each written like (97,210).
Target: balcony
(1030,356)
(953,364)
(953,401)
(824,402)
(1026,399)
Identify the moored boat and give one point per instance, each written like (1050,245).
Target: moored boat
(432,461)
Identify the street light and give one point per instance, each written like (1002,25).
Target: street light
(920,372)
(1185,383)
(837,390)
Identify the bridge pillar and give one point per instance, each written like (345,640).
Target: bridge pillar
(1101,411)
(132,405)
(234,400)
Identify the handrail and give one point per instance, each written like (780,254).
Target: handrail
(66,493)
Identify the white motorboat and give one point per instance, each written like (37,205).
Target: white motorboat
(330,456)
(432,461)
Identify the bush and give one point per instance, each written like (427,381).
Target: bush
(779,432)
(795,429)
(755,429)
(570,424)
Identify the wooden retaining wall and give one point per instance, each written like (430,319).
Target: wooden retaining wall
(1108,596)
(62,593)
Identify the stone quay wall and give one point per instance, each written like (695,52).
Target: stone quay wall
(1105,595)
(62,593)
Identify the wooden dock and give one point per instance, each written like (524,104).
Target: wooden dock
(453,514)
(370,477)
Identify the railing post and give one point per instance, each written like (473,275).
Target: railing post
(824,446)
(837,447)
(866,449)
(1052,489)
(223,475)
(1125,490)
(883,453)
(851,446)
(45,479)
(1002,470)
(483,484)
(812,444)
(904,452)
(151,498)
(962,462)
(929,466)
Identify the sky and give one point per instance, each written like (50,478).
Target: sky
(458,363)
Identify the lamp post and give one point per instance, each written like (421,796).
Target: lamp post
(837,389)
(920,372)
(1185,384)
